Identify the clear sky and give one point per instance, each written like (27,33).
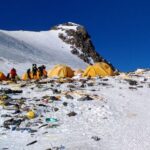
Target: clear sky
(120,29)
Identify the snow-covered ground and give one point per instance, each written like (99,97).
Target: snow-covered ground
(20,49)
(117,117)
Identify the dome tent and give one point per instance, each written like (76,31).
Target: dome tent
(61,71)
(98,69)
(25,76)
(2,76)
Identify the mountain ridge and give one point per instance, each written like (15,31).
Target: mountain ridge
(67,43)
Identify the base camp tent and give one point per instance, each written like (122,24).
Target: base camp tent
(25,77)
(61,71)
(35,77)
(98,69)
(2,76)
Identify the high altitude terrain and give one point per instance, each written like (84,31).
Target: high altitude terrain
(67,43)
(101,113)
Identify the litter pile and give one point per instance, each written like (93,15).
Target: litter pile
(67,113)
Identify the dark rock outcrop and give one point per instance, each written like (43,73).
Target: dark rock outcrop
(80,42)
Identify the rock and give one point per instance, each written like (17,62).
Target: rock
(12,121)
(131,82)
(80,39)
(105,79)
(82,85)
(56,109)
(69,96)
(90,84)
(103,84)
(6,115)
(85,98)
(65,103)
(55,91)
(54,98)
(72,114)
(9,91)
(140,86)
(71,86)
(95,138)
(42,105)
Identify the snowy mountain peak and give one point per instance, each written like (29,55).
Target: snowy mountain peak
(80,42)
(67,43)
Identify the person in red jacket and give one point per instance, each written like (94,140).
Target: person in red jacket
(12,75)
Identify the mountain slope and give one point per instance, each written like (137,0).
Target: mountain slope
(58,45)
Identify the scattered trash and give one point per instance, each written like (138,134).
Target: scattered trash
(24,129)
(95,138)
(133,88)
(9,91)
(30,114)
(68,96)
(131,82)
(54,98)
(11,122)
(52,120)
(65,103)
(56,109)
(44,125)
(55,91)
(72,114)
(85,98)
(32,143)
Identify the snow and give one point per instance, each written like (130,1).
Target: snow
(118,115)
(26,47)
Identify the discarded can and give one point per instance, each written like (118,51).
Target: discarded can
(30,115)
(52,120)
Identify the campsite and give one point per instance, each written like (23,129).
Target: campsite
(62,111)
(74,75)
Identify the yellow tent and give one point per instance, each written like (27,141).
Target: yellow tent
(25,76)
(2,76)
(49,72)
(61,71)
(98,69)
(78,71)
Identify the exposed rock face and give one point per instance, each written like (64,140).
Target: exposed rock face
(81,44)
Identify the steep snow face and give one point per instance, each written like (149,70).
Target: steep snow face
(22,48)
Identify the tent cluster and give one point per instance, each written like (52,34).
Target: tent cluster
(100,69)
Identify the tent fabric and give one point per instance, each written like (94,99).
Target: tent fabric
(49,72)
(2,76)
(98,69)
(61,71)
(25,76)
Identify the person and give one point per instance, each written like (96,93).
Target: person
(42,71)
(34,69)
(29,73)
(12,75)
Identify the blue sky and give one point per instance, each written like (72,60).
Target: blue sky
(120,30)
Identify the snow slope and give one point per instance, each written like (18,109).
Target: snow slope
(118,115)
(22,48)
